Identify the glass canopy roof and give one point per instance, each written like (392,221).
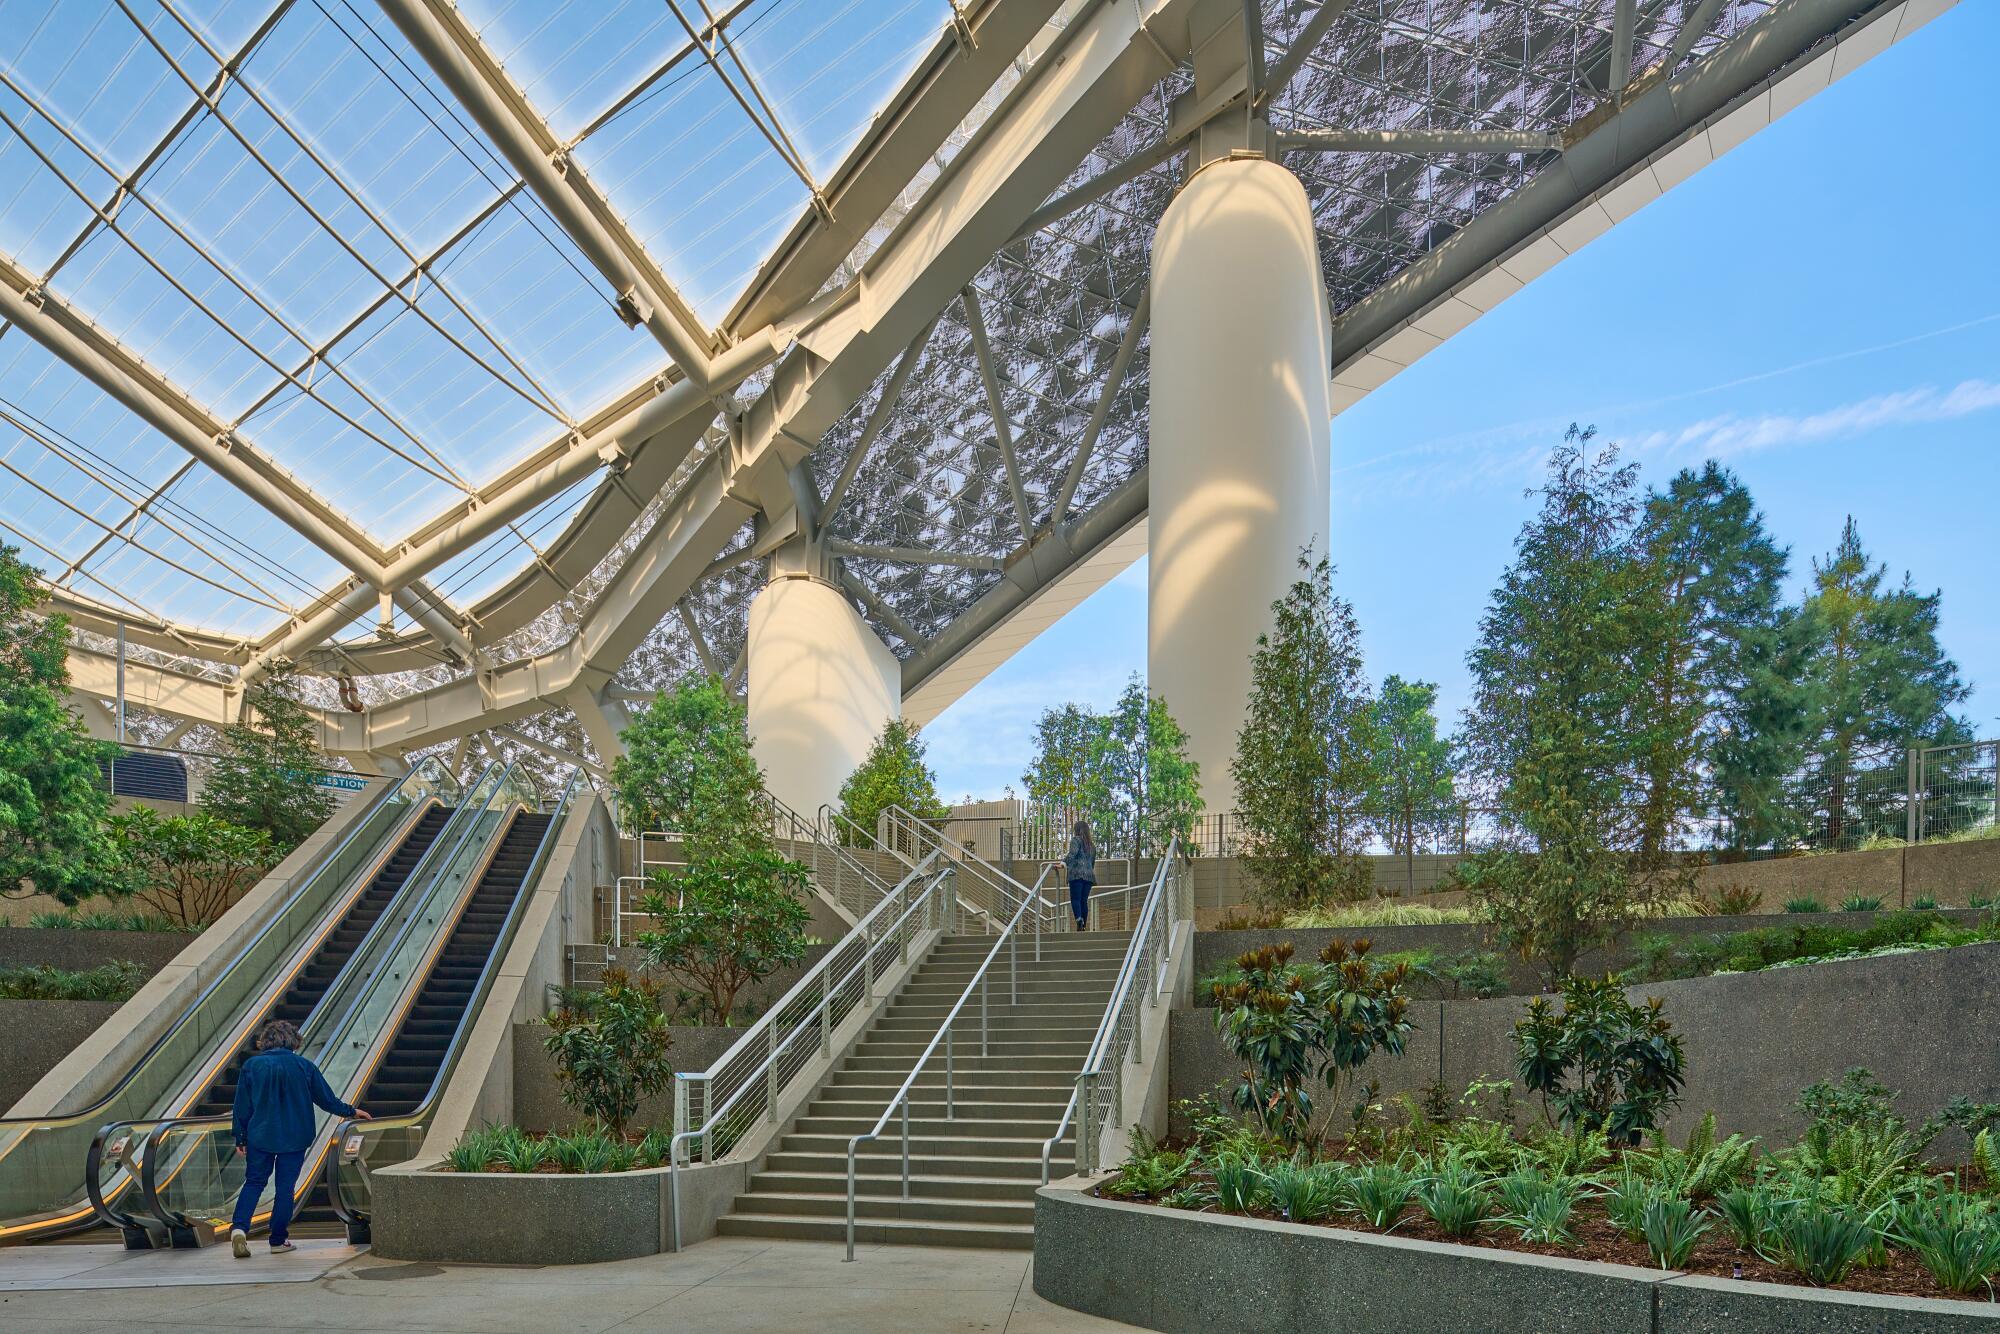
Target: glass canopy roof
(317,263)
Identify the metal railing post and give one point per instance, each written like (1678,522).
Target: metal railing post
(826,1010)
(950,1112)
(1014,969)
(681,1104)
(983,1046)
(906,1148)
(771,1073)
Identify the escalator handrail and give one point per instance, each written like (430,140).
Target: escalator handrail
(477,1000)
(417,876)
(305,882)
(156,1138)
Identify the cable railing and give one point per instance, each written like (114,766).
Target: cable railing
(1009,939)
(1099,1096)
(990,891)
(355,1146)
(837,873)
(715,1108)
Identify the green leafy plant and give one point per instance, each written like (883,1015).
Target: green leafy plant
(1983,901)
(1861,903)
(1984,1160)
(189,869)
(1293,1024)
(1750,1213)
(654,1148)
(582,1151)
(1737,901)
(1572,1153)
(611,1050)
(1305,1192)
(106,982)
(1672,1227)
(1379,1192)
(1240,1184)
(1804,905)
(1454,1196)
(520,1152)
(72,920)
(1626,1201)
(1602,1062)
(1923,903)
(1820,1243)
(1700,1169)
(1154,1174)
(732,917)
(1957,1238)
(474,1150)
(1540,1205)
(688,769)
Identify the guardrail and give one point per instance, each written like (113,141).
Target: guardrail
(1099,1094)
(1010,937)
(748,1080)
(992,892)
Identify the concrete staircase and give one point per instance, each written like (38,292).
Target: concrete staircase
(972,1177)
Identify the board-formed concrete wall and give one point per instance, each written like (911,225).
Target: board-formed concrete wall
(1923,1022)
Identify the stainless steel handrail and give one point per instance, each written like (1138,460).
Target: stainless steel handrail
(1143,943)
(1009,936)
(818,1020)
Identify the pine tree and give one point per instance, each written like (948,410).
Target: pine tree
(1872,678)
(1709,668)
(54,838)
(267,778)
(1305,755)
(1413,765)
(893,773)
(1558,729)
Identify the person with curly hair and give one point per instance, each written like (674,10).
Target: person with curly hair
(272,1121)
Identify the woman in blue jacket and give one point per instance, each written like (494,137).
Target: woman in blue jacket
(1080,865)
(272,1119)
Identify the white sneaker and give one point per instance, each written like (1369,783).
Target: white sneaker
(239,1244)
(280,1247)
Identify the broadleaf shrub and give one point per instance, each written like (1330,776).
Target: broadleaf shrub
(1602,1062)
(611,1049)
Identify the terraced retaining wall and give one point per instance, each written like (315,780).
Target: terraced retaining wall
(35,1034)
(1923,1022)
(1171,1270)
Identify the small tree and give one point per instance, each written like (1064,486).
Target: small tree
(190,868)
(687,767)
(1291,1024)
(610,1049)
(1153,781)
(1304,758)
(893,773)
(1603,1063)
(268,776)
(53,804)
(1071,772)
(731,917)
(1413,764)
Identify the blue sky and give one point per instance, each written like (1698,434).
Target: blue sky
(1820,309)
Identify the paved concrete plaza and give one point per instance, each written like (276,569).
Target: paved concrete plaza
(731,1283)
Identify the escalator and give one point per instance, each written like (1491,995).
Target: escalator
(387,1034)
(411,1062)
(53,1169)
(311,981)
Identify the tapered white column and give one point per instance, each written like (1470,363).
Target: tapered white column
(1241,421)
(821,686)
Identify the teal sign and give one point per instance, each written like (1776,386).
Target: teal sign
(344,782)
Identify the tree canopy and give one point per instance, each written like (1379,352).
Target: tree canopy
(266,778)
(53,801)
(1126,771)
(892,773)
(1413,766)
(688,768)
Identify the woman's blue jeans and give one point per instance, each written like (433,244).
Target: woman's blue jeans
(1079,901)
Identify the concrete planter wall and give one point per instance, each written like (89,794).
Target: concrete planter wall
(73,950)
(1214,950)
(1169,1270)
(1753,1040)
(503,1218)
(35,1034)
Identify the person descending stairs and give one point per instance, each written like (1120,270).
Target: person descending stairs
(973,1176)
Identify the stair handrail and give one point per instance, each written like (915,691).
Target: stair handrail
(1141,975)
(151,1182)
(790,824)
(913,909)
(1009,937)
(348,1137)
(1008,890)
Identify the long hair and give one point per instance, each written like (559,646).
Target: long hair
(278,1033)
(1082,835)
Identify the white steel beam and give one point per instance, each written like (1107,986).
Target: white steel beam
(1294,59)
(1417,141)
(996,405)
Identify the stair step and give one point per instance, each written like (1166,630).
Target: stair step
(993,1236)
(921,1186)
(874,1207)
(1027,1167)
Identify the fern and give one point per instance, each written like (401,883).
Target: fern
(1701,1169)
(1984,1161)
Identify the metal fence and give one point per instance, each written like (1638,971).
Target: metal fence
(1884,797)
